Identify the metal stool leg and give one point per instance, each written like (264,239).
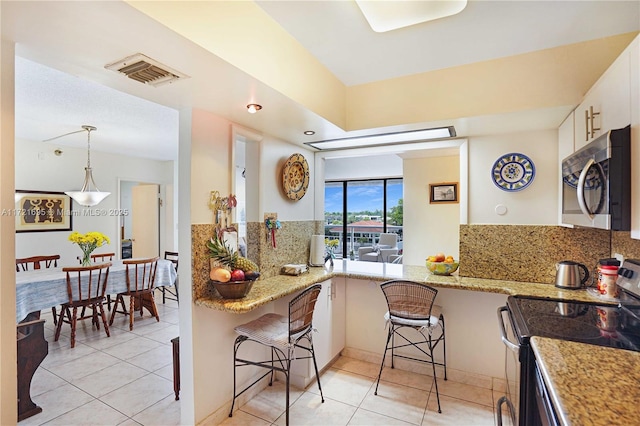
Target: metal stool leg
(315,366)
(435,378)
(386,346)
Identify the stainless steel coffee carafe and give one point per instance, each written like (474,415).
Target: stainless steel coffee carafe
(571,275)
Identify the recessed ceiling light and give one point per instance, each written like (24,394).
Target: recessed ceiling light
(309,132)
(390,15)
(253,108)
(385,139)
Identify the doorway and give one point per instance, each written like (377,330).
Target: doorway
(140,227)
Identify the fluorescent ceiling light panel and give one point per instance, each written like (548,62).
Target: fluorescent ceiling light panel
(385,139)
(390,15)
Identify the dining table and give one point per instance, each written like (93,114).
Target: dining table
(45,288)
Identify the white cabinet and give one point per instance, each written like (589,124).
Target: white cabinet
(565,148)
(635,137)
(328,319)
(607,105)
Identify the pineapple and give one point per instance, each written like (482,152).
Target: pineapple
(224,255)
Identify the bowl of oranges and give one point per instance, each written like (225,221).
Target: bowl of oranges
(441,264)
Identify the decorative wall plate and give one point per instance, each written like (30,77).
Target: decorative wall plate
(295,177)
(513,172)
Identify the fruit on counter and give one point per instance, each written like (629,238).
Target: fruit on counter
(237,275)
(440,257)
(222,275)
(225,255)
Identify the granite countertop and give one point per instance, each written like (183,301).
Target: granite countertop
(273,288)
(590,384)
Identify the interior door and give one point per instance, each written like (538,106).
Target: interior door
(145,220)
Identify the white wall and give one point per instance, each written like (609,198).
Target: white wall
(535,205)
(274,154)
(39,169)
(429,228)
(211,169)
(369,167)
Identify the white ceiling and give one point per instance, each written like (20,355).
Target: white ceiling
(61,83)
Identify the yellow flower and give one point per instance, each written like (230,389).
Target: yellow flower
(331,243)
(88,242)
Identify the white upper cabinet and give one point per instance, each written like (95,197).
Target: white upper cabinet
(635,137)
(607,105)
(565,148)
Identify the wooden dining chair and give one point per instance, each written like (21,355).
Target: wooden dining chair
(86,288)
(39,262)
(141,282)
(101,257)
(171,293)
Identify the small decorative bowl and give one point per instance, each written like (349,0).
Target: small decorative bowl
(442,268)
(233,289)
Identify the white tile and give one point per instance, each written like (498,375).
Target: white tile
(94,413)
(80,367)
(132,348)
(165,412)
(43,381)
(310,410)
(343,386)
(154,359)
(457,412)
(57,402)
(104,381)
(139,395)
(466,392)
(270,403)
(397,401)
(368,418)
(240,418)
(65,355)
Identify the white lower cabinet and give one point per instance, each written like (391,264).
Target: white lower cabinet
(329,339)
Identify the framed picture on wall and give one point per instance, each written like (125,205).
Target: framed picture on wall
(40,211)
(442,193)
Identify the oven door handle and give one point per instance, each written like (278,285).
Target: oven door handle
(503,332)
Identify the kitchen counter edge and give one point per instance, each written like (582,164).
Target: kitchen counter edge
(274,288)
(589,384)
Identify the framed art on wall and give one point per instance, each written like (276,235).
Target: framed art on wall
(40,211)
(441,193)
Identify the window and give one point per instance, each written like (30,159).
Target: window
(356,212)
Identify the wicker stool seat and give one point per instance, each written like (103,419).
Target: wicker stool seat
(283,336)
(411,307)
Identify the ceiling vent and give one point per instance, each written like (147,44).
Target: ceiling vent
(145,70)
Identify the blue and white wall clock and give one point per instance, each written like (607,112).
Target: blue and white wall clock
(513,172)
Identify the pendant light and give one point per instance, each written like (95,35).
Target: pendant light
(89,195)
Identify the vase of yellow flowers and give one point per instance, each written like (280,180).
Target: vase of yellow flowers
(88,243)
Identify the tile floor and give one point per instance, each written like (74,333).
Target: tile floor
(127,380)
(348,385)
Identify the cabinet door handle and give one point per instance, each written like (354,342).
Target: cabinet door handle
(593,114)
(586,124)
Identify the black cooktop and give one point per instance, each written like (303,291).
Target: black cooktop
(593,323)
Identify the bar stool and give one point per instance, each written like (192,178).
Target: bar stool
(411,307)
(282,335)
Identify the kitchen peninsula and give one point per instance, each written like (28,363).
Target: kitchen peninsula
(349,317)
(273,288)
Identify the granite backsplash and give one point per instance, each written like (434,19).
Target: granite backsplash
(292,246)
(530,252)
(502,252)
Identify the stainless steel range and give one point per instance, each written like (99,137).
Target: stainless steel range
(605,323)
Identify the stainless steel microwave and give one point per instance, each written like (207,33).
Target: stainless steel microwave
(596,183)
